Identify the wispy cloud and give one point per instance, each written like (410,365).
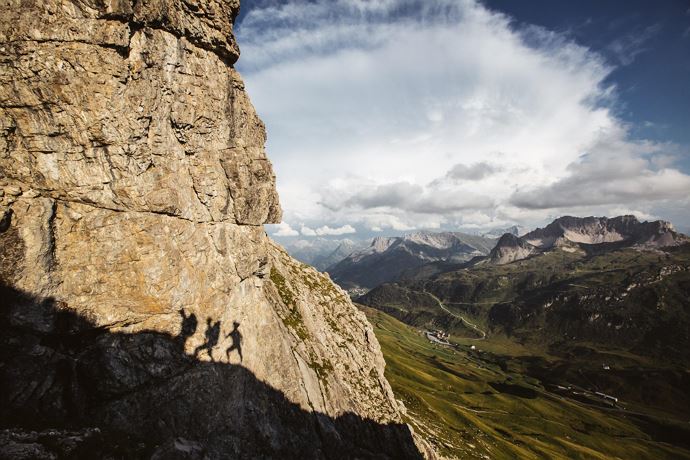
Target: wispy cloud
(629,46)
(327,231)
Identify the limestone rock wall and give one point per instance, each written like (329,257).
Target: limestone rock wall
(140,294)
(132,108)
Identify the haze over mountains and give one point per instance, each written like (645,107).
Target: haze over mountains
(321,253)
(496,233)
(386,258)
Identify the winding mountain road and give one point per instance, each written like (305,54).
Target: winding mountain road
(444,308)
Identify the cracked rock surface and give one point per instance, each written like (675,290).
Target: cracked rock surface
(141,301)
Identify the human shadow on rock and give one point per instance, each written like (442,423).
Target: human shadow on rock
(79,391)
(188,327)
(236,337)
(212,335)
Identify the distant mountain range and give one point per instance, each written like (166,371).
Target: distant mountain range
(388,257)
(499,232)
(607,280)
(321,253)
(360,265)
(586,234)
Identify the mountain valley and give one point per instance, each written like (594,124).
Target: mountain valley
(484,399)
(599,318)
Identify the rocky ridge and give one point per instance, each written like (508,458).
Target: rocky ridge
(141,297)
(510,248)
(578,233)
(388,257)
(598,230)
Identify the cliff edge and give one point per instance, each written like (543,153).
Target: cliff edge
(145,313)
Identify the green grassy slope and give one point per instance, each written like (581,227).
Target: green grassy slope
(484,404)
(615,322)
(637,301)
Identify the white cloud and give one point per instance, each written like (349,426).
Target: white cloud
(284,229)
(628,47)
(476,171)
(344,230)
(395,195)
(381,221)
(614,171)
(325,230)
(402,197)
(306,231)
(403,114)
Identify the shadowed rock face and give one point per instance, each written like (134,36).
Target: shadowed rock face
(134,185)
(147,395)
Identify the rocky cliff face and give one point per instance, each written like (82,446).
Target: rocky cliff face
(510,248)
(591,234)
(597,230)
(143,307)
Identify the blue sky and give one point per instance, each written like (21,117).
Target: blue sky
(649,43)
(392,115)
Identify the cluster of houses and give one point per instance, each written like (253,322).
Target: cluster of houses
(439,334)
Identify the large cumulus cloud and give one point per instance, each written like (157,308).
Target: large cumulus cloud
(441,113)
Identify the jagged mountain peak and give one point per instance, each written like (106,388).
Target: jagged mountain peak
(510,248)
(569,233)
(381,243)
(596,230)
(509,239)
